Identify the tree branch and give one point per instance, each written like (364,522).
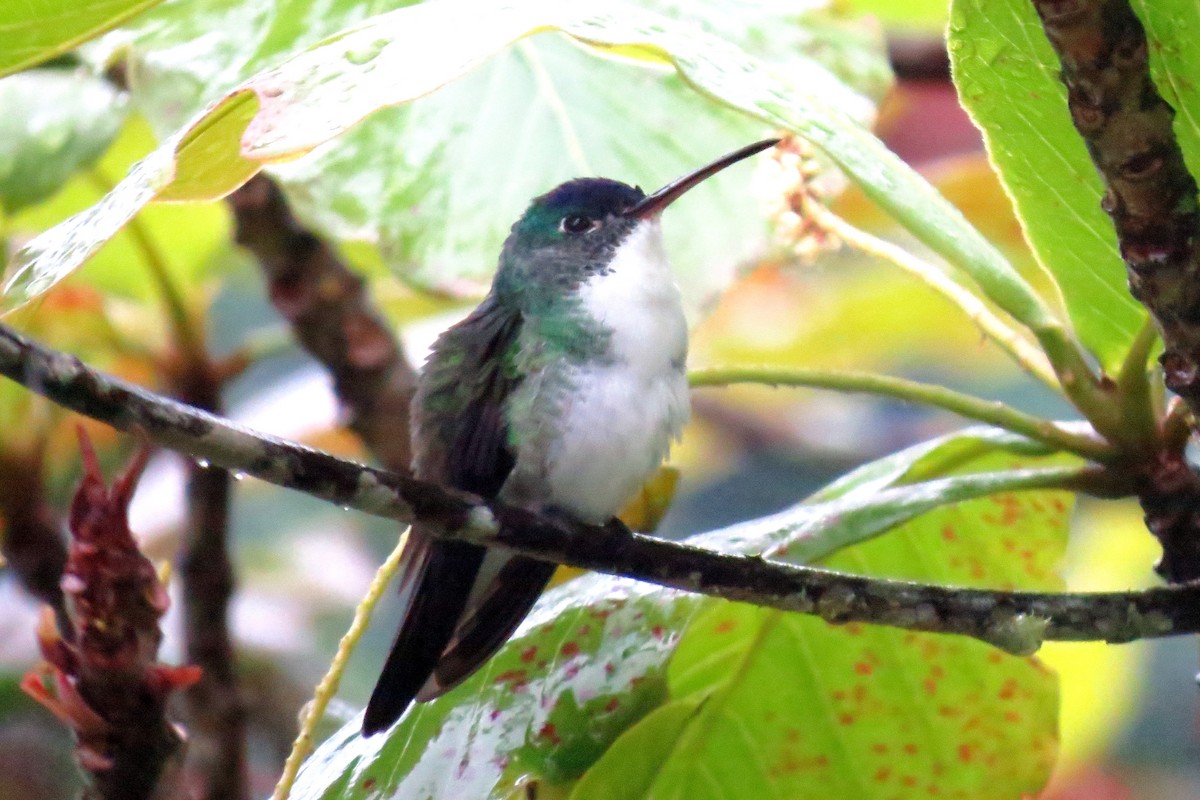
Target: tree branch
(216,707)
(1152,199)
(332,317)
(1083,443)
(990,324)
(32,542)
(1015,621)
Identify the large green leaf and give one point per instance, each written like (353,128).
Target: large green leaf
(536,114)
(54,122)
(630,766)
(1007,79)
(420,182)
(598,653)
(35,30)
(323,91)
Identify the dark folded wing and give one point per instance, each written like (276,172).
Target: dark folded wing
(460,433)
(460,440)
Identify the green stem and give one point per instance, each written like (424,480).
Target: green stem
(182,325)
(1080,384)
(990,324)
(1135,390)
(327,688)
(1067,368)
(993,413)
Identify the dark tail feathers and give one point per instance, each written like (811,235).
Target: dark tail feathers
(435,583)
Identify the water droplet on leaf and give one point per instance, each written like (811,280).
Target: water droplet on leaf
(361,54)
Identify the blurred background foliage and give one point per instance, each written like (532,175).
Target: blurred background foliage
(74,126)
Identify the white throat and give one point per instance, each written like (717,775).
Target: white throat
(637,300)
(625,410)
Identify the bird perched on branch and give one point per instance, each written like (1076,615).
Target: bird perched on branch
(561,392)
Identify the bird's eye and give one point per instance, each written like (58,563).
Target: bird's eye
(577,223)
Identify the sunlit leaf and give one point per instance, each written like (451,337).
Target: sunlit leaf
(922,15)
(1007,78)
(1103,686)
(1174,62)
(407,179)
(35,30)
(183,238)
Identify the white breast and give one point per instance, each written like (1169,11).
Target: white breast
(624,414)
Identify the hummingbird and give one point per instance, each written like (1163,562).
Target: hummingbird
(560,393)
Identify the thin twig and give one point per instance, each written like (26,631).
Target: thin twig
(217,709)
(989,323)
(332,317)
(328,686)
(1016,621)
(1061,363)
(993,413)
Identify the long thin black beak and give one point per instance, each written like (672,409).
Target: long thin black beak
(652,204)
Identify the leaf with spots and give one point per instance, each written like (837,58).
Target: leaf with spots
(794,707)
(587,664)
(629,767)
(598,658)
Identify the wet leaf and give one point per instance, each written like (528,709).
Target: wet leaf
(54,123)
(406,179)
(796,707)
(629,767)
(320,93)
(184,238)
(599,654)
